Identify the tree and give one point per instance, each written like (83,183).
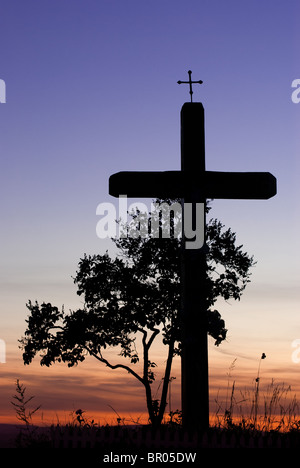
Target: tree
(136,294)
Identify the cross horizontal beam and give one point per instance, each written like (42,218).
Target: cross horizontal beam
(209,184)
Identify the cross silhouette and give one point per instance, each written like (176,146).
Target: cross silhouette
(190,82)
(194,185)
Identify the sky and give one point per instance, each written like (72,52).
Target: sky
(91,89)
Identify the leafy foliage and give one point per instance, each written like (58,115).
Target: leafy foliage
(138,292)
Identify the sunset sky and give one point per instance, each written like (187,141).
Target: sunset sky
(91,89)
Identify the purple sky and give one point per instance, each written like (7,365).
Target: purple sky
(91,89)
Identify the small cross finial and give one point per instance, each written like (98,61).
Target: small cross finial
(190,82)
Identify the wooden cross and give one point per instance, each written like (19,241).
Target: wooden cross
(194,185)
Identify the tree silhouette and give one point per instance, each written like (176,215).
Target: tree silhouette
(136,296)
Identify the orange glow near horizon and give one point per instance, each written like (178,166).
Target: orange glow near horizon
(106,395)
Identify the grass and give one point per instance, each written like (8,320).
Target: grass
(273,408)
(258,409)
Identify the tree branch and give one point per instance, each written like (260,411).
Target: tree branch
(155,332)
(151,339)
(115,366)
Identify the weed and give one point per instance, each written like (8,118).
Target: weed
(30,436)
(271,408)
(22,412)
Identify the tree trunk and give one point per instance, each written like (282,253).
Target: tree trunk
(145,376)
(152,416)
(156,417)
(164,393)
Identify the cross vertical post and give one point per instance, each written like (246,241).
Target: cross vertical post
(193,184)
(194,359)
